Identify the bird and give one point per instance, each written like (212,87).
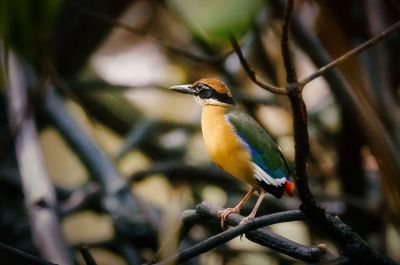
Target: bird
(239,145)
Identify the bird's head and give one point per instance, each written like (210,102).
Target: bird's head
(208,91)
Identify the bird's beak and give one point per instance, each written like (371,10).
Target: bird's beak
(185,89)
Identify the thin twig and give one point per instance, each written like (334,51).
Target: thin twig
(285,49)
(15,256)
(349,54)
(250,72)
(95,86)
(144,33)
(299,113)
(238,230)
(81,198)
(177,171)
(87,256)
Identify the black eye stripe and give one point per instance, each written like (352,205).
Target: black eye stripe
(212,93)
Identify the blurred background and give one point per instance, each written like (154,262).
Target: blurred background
(94,148)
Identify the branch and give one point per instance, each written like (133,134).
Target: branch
(261,236)
(188,219)
(266,237)
(128,250)
(354,247)
(80,198)
(299,113)
(178,171)
(39,194)
(143,33)
(337,261)
(251,74)
(357,106)
(87,256)
(351,53)
(146,130)
(285,49)
(93,86)
(16,256)
(96,85)
(125,210)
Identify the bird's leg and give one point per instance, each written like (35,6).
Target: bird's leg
(224,213)
(253,213)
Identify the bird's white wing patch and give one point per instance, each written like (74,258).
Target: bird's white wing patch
(263,176)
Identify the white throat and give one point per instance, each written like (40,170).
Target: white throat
(210,101)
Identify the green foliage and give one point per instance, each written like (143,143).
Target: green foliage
(26,25)
(215,20)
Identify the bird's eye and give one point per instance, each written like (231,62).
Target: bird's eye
(200,87)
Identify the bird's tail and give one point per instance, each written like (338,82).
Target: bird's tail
(289,187)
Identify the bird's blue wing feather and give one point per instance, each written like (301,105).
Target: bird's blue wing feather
(264,152)
(257,158)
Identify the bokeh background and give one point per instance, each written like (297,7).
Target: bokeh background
(93,79)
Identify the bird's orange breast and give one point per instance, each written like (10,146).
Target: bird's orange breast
(224,146)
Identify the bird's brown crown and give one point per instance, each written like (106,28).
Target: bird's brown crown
(216,84)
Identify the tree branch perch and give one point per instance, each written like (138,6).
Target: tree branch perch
(253,232)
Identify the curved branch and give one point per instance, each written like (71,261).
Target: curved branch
(283,245)
(251,74)
(93,86)
(266,237)
(349,54)
(81,198)
(176,170)
(143,33)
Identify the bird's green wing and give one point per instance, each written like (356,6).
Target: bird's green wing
(264,151)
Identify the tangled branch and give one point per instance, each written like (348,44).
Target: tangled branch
(143,33)
(252,231)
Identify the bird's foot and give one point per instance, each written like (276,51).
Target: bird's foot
(224,214)
(245,220)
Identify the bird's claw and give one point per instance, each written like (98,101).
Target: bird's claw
(224,214)
(245,220)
